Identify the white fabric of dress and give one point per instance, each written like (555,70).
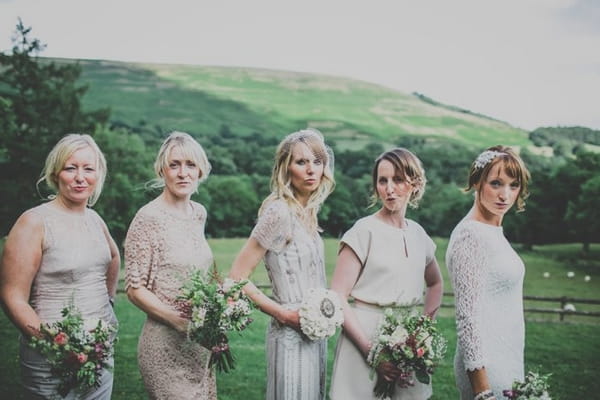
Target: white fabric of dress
(487,277)
(392,275)
(75,258)
(296,366)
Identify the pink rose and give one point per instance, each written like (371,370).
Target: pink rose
(82,358)
(420,352)
(61,339)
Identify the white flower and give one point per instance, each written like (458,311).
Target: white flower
(570,274)
(198,315)
(569,307)
(320,313)
(546,274)
(399,335)
(587,278)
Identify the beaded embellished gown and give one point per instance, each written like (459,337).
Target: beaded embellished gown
(296,366)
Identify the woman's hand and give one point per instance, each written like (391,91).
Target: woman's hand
(390,373)
(290,318)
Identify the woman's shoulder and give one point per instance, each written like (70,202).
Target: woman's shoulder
(415,226)
(199,209)
(275,209)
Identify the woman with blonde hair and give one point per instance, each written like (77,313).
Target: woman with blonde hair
(59,254)
(385,261)
(165,243)
(487,277)
(287,236)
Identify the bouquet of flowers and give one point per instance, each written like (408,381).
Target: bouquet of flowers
(76,349)
(320,313)
(215,308)
(535,387)
(412,343)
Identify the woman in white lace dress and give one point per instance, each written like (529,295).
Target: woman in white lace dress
(286,235)
(487,276)
(165,243)
(385,260)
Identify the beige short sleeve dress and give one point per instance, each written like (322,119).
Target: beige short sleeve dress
(394,262)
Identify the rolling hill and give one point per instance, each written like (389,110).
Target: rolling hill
(200,100)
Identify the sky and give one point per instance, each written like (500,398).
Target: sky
(530,63)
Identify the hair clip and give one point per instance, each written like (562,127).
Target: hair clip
(484,158)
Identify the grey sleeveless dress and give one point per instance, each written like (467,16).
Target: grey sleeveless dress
(296,366)
(75,257)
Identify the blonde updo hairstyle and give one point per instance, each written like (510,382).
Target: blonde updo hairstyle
(190,149)
(281,182)
(512,165)
(61,152)
(409,167)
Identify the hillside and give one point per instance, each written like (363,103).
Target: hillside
(202,99)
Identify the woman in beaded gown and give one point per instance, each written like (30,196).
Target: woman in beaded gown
(487,276)
(165,243)
(57,254)
(287,236)
(385,260)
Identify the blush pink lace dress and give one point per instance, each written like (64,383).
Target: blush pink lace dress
(161,250)
(75,257)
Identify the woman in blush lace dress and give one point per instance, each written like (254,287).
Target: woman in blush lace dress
(487,276)
(287,236)
(165,243)
(385,260)
(57,254)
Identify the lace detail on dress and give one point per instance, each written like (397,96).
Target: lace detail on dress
(466,262)
(140,244)
(273,229)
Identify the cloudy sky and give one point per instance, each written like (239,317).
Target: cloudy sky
(529,62)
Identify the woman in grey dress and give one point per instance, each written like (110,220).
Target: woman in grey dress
(286,235)
(57,253)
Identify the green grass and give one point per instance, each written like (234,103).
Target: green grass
(569,350)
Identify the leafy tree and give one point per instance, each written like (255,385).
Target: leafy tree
(39,103)
(584,213)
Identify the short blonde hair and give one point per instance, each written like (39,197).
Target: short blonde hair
(281,182)
(191,149)
(409,167)
(512,164)
(62,151)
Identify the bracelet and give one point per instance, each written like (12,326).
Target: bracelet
(485,395)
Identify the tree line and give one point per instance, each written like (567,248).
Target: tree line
(40,101)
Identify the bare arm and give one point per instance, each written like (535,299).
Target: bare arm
(112,273)
(156,309)
(20,263)
(243,266)
(347,270)
(435,288)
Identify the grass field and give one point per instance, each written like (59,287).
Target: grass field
(569,350)
(198,99)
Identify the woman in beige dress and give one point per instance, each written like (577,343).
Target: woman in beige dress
(57,254)
(385,260)
(287,236)
(165,243)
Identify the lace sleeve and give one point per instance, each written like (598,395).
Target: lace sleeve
(140,247)
(273,228)
(466,262)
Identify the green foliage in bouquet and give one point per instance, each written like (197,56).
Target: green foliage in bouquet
(215,308)
(409,341)
(77,350)
(534,387)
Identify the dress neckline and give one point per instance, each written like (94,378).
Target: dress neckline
(392,227)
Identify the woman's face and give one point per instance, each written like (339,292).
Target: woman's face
(305,171)
(497,194)
(180,174)
(393,190)
(77,179)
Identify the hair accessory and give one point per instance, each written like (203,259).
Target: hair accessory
(484,158)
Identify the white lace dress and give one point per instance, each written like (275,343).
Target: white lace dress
(296,366)
(487,277)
